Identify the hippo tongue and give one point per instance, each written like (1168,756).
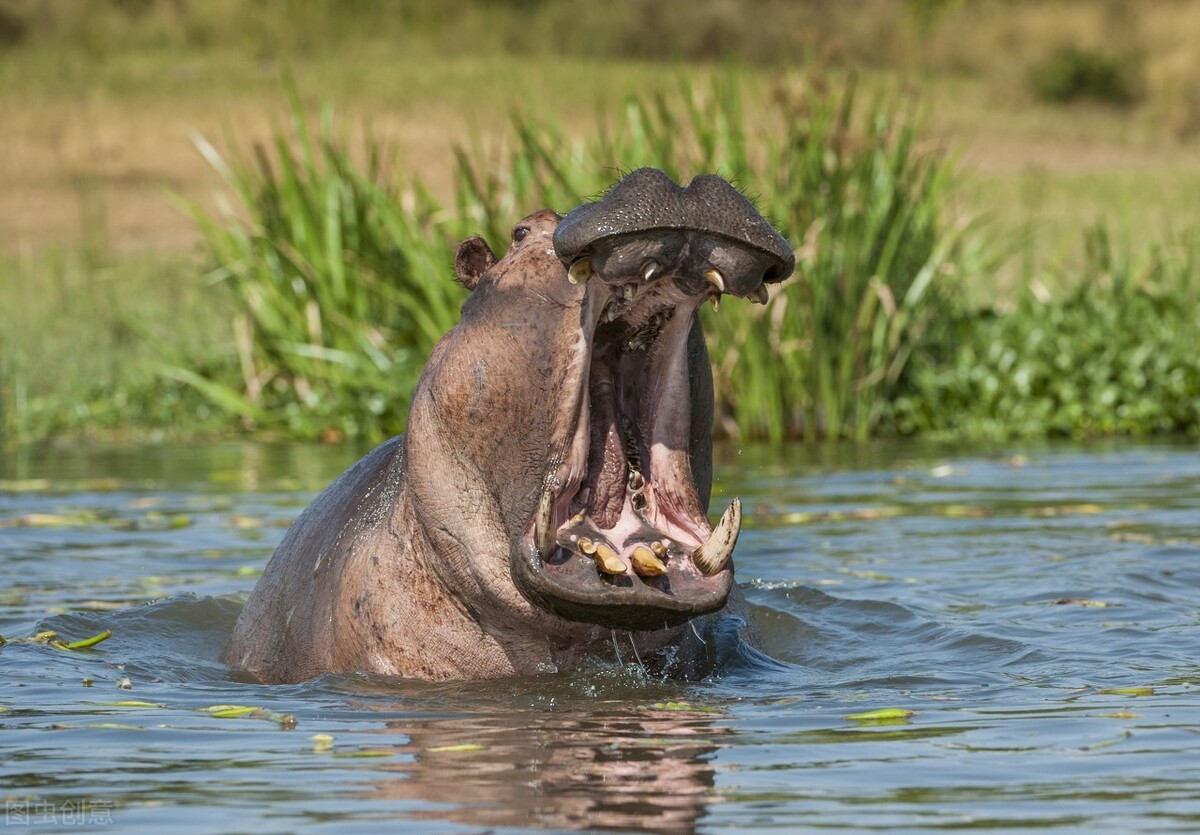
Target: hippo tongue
(638,488)
(606,454)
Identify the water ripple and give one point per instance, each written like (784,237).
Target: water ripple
(999,639)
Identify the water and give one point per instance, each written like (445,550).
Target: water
(1037,609)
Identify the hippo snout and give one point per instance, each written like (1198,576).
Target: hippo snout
(647,225)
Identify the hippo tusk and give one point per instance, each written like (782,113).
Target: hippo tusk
(713,555)
(650,269)
(715,301)
(759,296)
(580,271)
(543,531)
(714,277)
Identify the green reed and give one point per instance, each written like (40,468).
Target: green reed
(342,276)
(335,279)
(342,284)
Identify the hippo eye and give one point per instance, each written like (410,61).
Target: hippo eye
(519,234)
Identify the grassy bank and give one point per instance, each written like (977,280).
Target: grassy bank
(337,277)
(99,97)
(116,319)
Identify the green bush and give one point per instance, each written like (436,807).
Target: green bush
(1115,356)
(1074,73)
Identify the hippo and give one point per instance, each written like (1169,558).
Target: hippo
(548,503)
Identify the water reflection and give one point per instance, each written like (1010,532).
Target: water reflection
(646,767)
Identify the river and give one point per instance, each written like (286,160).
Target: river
(993,638)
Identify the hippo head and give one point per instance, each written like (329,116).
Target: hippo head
(565,422)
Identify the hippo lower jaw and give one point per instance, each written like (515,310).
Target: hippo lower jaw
(620,537)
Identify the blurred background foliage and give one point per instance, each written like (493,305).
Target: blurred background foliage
(989,200)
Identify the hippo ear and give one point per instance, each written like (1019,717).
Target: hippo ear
(474,258)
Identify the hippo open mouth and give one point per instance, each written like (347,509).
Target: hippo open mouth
(620,536)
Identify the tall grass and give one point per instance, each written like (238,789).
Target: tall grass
(342,278)
(342,286)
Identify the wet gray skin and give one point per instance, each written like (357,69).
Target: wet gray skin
(554,481)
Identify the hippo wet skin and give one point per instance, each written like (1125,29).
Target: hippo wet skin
(548,502)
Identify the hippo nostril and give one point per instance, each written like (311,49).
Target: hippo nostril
(580,271)
(777,273)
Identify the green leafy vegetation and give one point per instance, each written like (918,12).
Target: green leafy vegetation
(1075,73)
(343,288)
(1113,355)
(84,335)
(335,278)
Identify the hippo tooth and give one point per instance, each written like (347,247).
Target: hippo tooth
(714,554)
(715,301)
(580,271)
(636,480)
(714,277)
(608,560)
(543,529)
(759,296)
(646,563)
(650,269)
(628,292)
